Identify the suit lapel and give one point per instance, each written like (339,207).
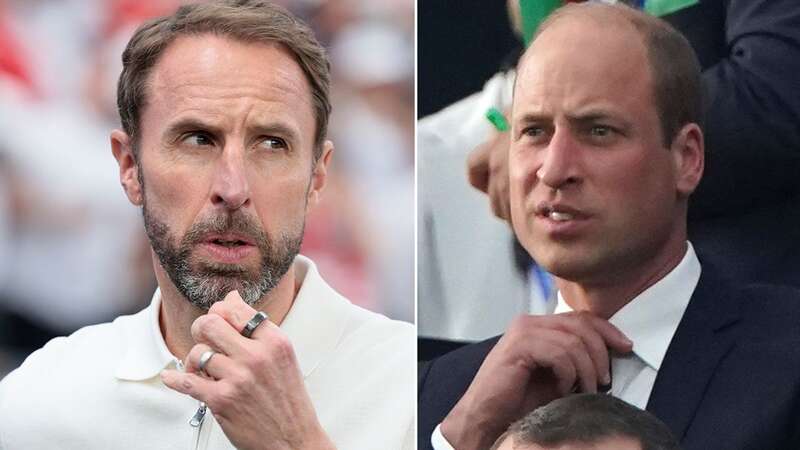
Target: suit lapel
(705,334)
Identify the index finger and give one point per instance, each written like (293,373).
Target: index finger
(234,310)
(614,338)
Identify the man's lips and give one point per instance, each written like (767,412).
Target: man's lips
(560,212)
(228,239)
(560,221)
(228,248)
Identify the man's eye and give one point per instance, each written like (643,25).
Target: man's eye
(273,143)
(198,139)
(536,134)
(534,131)
(600,131)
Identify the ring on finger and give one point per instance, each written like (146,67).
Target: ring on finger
(253,323)
(205,357)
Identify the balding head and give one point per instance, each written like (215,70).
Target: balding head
(605,146)
(674,69)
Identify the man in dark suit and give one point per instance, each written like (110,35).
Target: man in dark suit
(605,150)
(743,217)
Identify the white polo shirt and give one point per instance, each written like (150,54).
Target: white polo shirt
(100,387)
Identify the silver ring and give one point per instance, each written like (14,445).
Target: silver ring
(204,359)
(253,323)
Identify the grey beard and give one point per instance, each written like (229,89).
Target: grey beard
(203,291)
(211,282)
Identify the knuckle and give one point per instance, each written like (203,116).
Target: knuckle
(578,320)
(198,326)
(187,384)
(222,398)
(281,350)
(218,308)
(573,342)
(257,361)
(207,325)
(214,319)
(204,327)
(519,324)
(194,355)
(241,378)
(561,358)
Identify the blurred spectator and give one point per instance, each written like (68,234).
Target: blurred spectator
(470,286)
(374,128)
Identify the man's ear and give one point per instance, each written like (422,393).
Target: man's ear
(122,149)
(319,175)
(688,150)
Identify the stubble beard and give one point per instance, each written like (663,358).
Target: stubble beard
(207,282)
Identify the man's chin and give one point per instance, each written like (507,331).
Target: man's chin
(208,289)
(227,282)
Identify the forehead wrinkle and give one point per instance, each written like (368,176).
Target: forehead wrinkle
(240,96)
(190,82)
(209,58)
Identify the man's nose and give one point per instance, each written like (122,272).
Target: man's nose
(560,166)
(230,187)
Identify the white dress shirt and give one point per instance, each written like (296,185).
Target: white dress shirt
(100,387)
(650,321)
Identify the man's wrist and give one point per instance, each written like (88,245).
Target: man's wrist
(465,434)
(319,441)
(310,440)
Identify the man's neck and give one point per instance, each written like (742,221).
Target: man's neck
(176,314)
(605,296)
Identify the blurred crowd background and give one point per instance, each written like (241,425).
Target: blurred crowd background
(73,250)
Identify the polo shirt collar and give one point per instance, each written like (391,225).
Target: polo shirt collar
(317,320)
(651,318)
(314,325)
(146,353)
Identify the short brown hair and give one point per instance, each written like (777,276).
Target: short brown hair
(589,418)
(242,20)
(677,87)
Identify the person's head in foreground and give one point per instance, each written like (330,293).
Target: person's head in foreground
(587,422)
(606,145)
(224,110)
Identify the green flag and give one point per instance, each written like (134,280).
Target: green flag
(535,11)
(533,14)
(663,7)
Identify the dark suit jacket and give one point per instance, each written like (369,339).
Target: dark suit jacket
(730,379)
(745,213)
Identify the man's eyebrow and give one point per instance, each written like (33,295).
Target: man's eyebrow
(534,117)
(276,129)
(594,116)
(195,124)
(191,124)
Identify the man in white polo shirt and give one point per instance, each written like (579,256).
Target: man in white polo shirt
(224,111)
